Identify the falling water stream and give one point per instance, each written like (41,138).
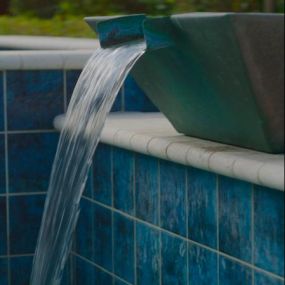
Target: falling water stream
(92,99)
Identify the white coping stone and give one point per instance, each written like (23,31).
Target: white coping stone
(43,60)
(152,134)
(47,43)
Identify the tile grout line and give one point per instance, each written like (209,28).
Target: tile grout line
(135,223)
(187,224)
(218,226)
(159,221)
(185,239)
(112,212)
(7,174)
(101,268)
(252,233)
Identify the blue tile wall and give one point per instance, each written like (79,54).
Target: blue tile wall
(263,279)
(2,165)
(174,260)
(34,98)
(102,233)
(21,268)
(202,207)
(102,175)
(141,238)
(124,247)
(4,271)
(173,197)
(3,226)
(123,179)
(1,102)
(135,99)
(143,220)
(25,219)
(235,202)
(147,255)
(30,161)
(147,192)
(233,273)
(269,230)
(203,266)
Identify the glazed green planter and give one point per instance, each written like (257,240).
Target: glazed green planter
(216,76)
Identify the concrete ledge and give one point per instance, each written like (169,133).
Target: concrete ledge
(47,43)
(152,134)
(37,60)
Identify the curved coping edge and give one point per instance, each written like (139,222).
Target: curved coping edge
(152,134)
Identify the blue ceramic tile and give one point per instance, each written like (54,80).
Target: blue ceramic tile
(1,103)
(25,220)
(173,197)
(30,161)
(71,80)
(88,274)
(123,179)
(67,273)
(269,230)
(84,231)
(174,260)
(202,207)
(123,247)
(232,273)
(235,200)
(118,104)
(102,174)
(147,192)
(119,282)
(3,271)
(135,98)
(3,226)
(2,165)
(34,98)
(102,237)
(262,279)
(203,266)
(21,269)
(148,260)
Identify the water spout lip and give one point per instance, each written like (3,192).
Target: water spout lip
(118,29)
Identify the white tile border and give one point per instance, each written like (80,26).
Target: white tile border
(19,42)
(152,134)
(43,60)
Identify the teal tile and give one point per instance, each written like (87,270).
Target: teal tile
(203,266)
(124,248)
(123,180)
(269,230)
(34,99)
(30,161)
(263,279)
(235,216)
(173,197)
(102,174)
(21,269)
(202,207)
(4,271)
(174,260)
(233,273)
(147,191)
(25,220)
(148,255)
(3,226)
(2,165)
(102,233)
